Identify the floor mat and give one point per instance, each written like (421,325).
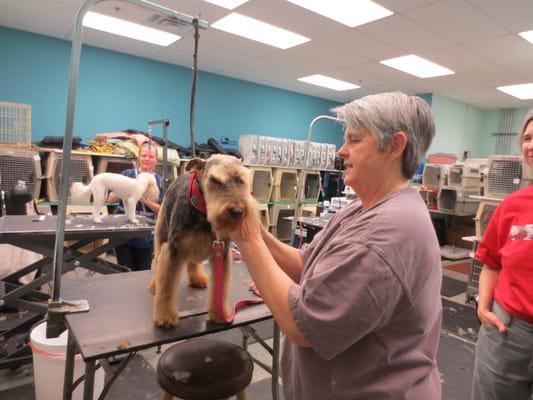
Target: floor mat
(452,287)
(463,267)
(460,320)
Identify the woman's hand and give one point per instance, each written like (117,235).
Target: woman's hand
(250,230)
(488,318)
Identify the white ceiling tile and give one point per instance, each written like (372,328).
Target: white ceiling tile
(403,33)
(515,15)
(504,50)
(405,5)
(457,21)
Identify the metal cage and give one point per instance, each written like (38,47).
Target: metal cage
(20,165)
(15,124)
(81,170)
(504,176)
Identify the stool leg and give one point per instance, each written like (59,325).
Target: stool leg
(241,395)
(167,396)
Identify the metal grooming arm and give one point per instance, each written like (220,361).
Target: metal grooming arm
(302,172)
(57,307)
(165,122)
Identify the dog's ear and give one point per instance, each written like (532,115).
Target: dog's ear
(196,164)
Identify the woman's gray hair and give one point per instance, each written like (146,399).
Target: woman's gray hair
(525,122)
(382,115)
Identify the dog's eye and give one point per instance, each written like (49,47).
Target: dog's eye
(238,180)
(216,181)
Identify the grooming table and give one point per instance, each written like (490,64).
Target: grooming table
(37,234)
(120,322)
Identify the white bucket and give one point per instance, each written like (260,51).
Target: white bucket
(49,366)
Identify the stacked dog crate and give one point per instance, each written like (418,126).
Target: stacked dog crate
(463,181)
(18,161)
(276,164)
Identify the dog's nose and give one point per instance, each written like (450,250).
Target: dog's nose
(236,212)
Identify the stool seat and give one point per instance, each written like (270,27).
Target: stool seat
(204,369)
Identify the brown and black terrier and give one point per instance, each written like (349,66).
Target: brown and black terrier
(201,206)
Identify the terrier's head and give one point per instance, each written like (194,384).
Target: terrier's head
(227,191)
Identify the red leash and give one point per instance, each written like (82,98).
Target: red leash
(197,201)
(218,250)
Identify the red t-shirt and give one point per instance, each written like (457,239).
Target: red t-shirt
(507,245)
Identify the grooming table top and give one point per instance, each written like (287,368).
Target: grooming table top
(14,225)
(120,316)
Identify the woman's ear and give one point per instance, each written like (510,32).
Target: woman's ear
(398,143)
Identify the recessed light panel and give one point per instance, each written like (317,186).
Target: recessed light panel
(523,91)
(229,4)
(327,82)
(347,12)
(128,29)
(527,35)
(259,31)
(417,66)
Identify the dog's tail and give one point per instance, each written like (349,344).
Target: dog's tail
(80,192)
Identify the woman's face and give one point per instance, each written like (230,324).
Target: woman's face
(364,163)
(147,159)
(527,144)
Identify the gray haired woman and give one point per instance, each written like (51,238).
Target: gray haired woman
(360,306)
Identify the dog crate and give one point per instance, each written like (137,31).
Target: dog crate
(307,210)
(15,124)
(330,156)
(81,170)
(457,200)
(473,171)
(280,225)
(114,164)
(472,287)
(285,184)
(261,178)
(430,198)
(434,175)
(311,186)
(264,215)
(504,175)
(248,147)
(20,165)
(483,216)
(455,175)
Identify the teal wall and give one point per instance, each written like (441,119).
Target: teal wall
(118,91)
(461,127)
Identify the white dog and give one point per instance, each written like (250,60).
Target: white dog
(130,190)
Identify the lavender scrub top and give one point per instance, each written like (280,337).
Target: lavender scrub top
(368,302)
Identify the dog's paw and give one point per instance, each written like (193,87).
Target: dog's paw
(198,279)
(97,220)
(167,319)
(213,317)
(134,221)
(151,287)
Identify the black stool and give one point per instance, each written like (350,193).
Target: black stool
(204,369)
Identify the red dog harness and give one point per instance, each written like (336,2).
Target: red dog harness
(197,201)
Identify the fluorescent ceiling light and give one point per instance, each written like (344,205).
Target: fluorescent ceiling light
(347,12)
(527,35)
(523,91)
(330,83)
(259,31)
(229,4)
(417,66)
(128,29)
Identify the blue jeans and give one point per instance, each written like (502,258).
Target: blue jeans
(503,369)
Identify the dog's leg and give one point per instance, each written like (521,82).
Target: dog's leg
(225,287)
(197,277)
(157,251)
(99,200)
(130,205)
(166,294)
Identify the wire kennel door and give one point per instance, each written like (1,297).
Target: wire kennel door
(504,177)
(81,170)
(15,124)
(20,165)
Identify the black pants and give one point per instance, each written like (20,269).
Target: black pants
(135,258)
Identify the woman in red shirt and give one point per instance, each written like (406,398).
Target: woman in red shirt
(504,353)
